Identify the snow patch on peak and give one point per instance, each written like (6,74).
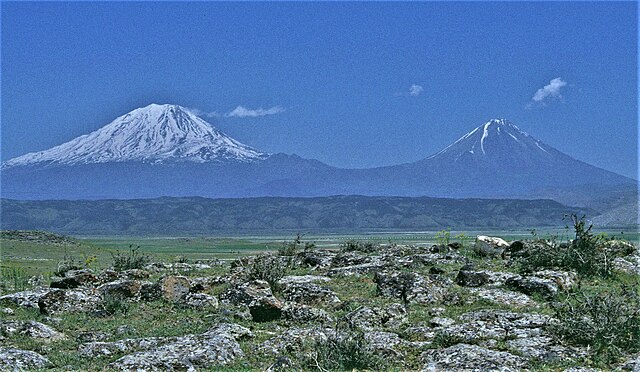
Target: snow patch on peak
(156,133)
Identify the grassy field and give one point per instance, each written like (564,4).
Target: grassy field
(42,258)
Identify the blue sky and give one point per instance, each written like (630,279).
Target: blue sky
(350,84)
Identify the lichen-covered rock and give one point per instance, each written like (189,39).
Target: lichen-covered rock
(385,343)
(546,282)
(19,360)
(27,298)
(309,294)
(305,314)
(542,348)
(92,336)
(473,278)
(123,288)
(356,270)
(471,358)
(257,296)
(300,279)
(81,299)
(503,297)
(174,288)
(185,353)
(74,279)
(318,259)
(370,319)
(201,301)
(411,287)
(293,340)
(488,246)
(30,329)
(135,274)
(99,348)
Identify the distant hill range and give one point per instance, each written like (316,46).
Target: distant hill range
(185,216)
(166,150)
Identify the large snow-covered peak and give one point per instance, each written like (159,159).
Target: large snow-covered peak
(497,140)
(151,134)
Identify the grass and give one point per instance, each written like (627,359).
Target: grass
(160,319)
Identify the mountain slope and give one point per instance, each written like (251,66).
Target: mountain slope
(151,134)
(164,150)
(180,216)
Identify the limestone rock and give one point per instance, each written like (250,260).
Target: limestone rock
(19,360)
(174,288)
(257,296)
(471,358)
(30,329)
(487,246)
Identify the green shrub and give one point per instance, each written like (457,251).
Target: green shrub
(294,247)
(268,268)
(114,303)
(132,259)
(358,246)
(608,320)
(14,278)
(345,351)
(587,254)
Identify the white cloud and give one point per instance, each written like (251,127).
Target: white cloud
(208,114)
(243,112)
(550,90)
(415,90)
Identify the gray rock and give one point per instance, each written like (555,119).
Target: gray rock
(471,358)
(305,314)
(74,279)
(631,364)
(487,246)
(503,297)
(299,279)
(174,288)
(472,278)
(441,322)
(546,282)
(92,336)
(201,301)
(99,348)
(412,287)
(257,296)
(7,311)
(31,329)
(215,347)
(309,294)
(18,360)
(26,298)
(293,340)
(123,288)
(80,299)
(356,270)
(542,348)
(370,319)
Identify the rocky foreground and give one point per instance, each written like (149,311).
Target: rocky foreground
(375,307)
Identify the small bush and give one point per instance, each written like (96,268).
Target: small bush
(132,259)
(345,351)
(358,246)
(14,278)
(114,303)
(268,268)
(294,247)
(607,321)
(588,254)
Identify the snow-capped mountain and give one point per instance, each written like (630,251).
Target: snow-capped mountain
(165,150)
(497,139)
(151,134)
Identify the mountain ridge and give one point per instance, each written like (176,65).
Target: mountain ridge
(494,160)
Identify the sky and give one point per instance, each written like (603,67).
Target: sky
(350,84)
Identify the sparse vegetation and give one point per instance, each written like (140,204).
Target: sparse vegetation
(115,303)
(268,268)
(294,247)
(344,351)
(606,319)
(358,246)
(131,259)
(587,254)
(13,278)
